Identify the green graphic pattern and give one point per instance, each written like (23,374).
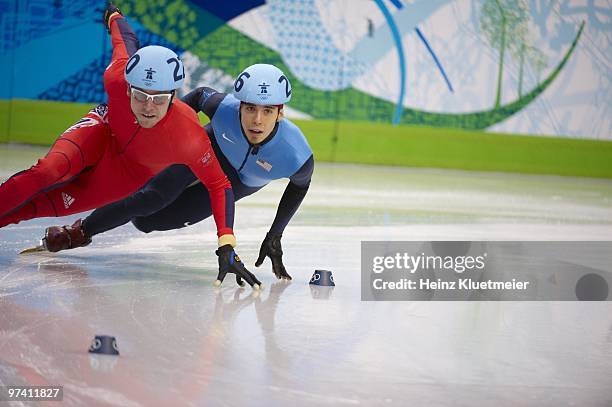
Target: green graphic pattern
(224,48)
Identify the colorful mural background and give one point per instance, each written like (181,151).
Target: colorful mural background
(537,67)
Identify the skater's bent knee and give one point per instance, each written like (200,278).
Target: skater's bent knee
(145,201)
(141,224)
(55,167)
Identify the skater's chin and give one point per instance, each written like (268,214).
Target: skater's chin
(147,121)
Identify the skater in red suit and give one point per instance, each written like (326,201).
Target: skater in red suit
(94,163)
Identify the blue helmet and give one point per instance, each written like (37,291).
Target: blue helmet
(155,68)
(262,84)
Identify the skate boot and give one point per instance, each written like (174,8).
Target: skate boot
(65,237)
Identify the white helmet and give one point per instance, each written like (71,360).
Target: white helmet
(155,68)
(262,84)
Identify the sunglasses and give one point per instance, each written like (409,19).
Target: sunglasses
(158,99)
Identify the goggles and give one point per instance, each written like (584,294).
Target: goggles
(143,97)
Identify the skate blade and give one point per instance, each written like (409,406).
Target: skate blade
(35,249)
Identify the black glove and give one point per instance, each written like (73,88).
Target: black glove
(108,12)
(229,262)
(271,247)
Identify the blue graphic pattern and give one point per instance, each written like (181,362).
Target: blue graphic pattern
(86,85)
(24,20)
(402,60)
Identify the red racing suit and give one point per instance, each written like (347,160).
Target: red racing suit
(94,163)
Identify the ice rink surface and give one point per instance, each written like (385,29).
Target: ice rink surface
(183,342)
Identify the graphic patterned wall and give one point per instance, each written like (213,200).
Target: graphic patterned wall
(430,62)
(86,86)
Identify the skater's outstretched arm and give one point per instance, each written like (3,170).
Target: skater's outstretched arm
(290,202)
